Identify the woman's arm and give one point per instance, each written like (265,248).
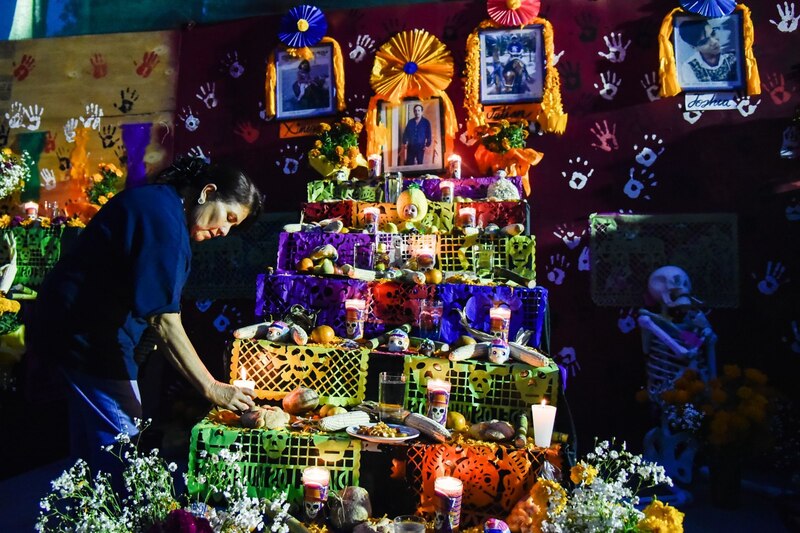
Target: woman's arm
(183,356)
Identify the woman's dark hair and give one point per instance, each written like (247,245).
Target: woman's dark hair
(188,175)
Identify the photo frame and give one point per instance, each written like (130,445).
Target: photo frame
(304,88)
(512,66)
(414,145)
(709,53)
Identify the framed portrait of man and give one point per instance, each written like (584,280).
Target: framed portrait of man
(512,65)
(304,88)
(415,135)
(709,52)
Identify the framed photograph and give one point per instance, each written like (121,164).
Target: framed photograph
(512,65)
(709,52)
(304,88)
(415,140)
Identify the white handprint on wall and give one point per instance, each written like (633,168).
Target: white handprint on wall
(690,116)
(48,179)
(207,95)
(580,174)
(788,22)
(568,358)
(197,152)
(69,130)
(626,321)
(190,121)
(93,115)
(569,237)
(746,107)
(364,45)
(33,117)
(616,50)
(773,278)
(15,115)
(609,85)
(651,86)
(584,260)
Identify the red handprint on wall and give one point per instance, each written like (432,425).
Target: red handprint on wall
(247,131)
(99,66)
(149,61)
(24,68)
(50,142)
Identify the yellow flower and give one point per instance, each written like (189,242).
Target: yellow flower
(549,496)
(97,178)
(731,371)
(44,222)
(755,376)
(583,473)
(348,121)
(744,392)
(110,195)
(324,127)
(5,221)
(102,200)
(358,127)
(6,151)
(352,151)
(339,150)
(75,223)
(661,518)
(8,306)
(27,222)
(504,123)
(317,144)
(314,152)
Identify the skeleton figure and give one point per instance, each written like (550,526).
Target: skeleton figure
(678,338)
(499,351)
(398,341)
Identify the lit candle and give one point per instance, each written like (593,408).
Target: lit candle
(438,400)
(375,166)
(466,217)
(544,416)
(315,491)
(244,383)
(31,209)
(446,187)
(371,216)
(454,166)
(354,317)
(499,319)
(448,492)
(426,259)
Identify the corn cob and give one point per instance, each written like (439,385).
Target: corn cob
(470,351)
(526,354)
(339,422)
(252,331)
(426,426)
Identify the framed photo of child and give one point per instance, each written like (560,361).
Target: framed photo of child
(304,88)
(709,52)
(415,135)
(512,65)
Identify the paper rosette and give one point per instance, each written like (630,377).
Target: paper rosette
(517,162)
(413,63)
(709,8)
(551,114)
(302,26)
(668,71)
(513,12)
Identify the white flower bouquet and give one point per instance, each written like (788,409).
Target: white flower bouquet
(14,172)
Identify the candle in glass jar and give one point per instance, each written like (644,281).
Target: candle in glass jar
(454,166)
(354,317)
(31,209)
(315,491)
(466,217)
(244,383)
(426,259)
(371,217)
(375,166)
(499,319)
(544,417)
(438,400)
(446,187)
(448,492)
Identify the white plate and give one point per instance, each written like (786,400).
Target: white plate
(410,433)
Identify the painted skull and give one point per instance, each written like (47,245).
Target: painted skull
(439,521)
(277,330)
(355,329)
(276,443)
(670,286)
(312,508)
(426,347)
(340,175)
(499,351)
(398,341)
(438,413)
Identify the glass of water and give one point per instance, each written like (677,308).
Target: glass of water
(391,395)
(409,524)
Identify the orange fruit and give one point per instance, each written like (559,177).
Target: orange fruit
(305,265)
(323,334)
(456,421)
(433,276)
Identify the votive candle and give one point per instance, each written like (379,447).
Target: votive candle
(499,319)
(448,492)
(371,216)
(354,317)
(438,400)
(244,383)
(466,217)
(454,166)
(375,162)
(544,417)
(446,187)
(315,491)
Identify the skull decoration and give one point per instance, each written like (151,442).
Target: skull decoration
(426,347)
(437,405)
(439,521)
(670,287)
(398,341)
(276,443)
(340,175)
(277,331)
(499,351)
(355,329)
(312,508)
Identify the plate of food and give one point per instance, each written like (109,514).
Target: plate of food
(382,433)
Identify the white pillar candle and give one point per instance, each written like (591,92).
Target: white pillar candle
(446,188)
(244,383)
(315,492)
(375,165)
(454,166)
(354,318)
(438,400)
(499,319)
(448,492)
(544,416)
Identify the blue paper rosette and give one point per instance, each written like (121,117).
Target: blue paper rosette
(302,26)
(709,8)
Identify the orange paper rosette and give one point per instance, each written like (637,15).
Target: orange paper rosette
(517,162)
(413,63)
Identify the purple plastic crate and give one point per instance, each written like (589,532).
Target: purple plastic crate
(474,188)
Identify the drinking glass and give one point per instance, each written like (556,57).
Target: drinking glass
(364,255)
(409,524)
(430,319)
(391,393)
(484,260)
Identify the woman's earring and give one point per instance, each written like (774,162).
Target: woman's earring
(201,200)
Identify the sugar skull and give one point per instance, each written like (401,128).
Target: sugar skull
(312,508)
(437,405)
(439,521)
(277,331)
(499,351)
(398,341)
(355,329)
(426,347)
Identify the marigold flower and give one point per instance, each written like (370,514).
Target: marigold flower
(317,144)
(661,518)
(583,473)
(731,371)
(97,178)
(755,376)
(324,127)
(718,396)
(339,150)
(102,200)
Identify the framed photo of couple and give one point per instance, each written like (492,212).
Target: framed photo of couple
(709,53)
(415,141)
(512,65)
(304,88)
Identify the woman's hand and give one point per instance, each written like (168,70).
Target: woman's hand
(230,397)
